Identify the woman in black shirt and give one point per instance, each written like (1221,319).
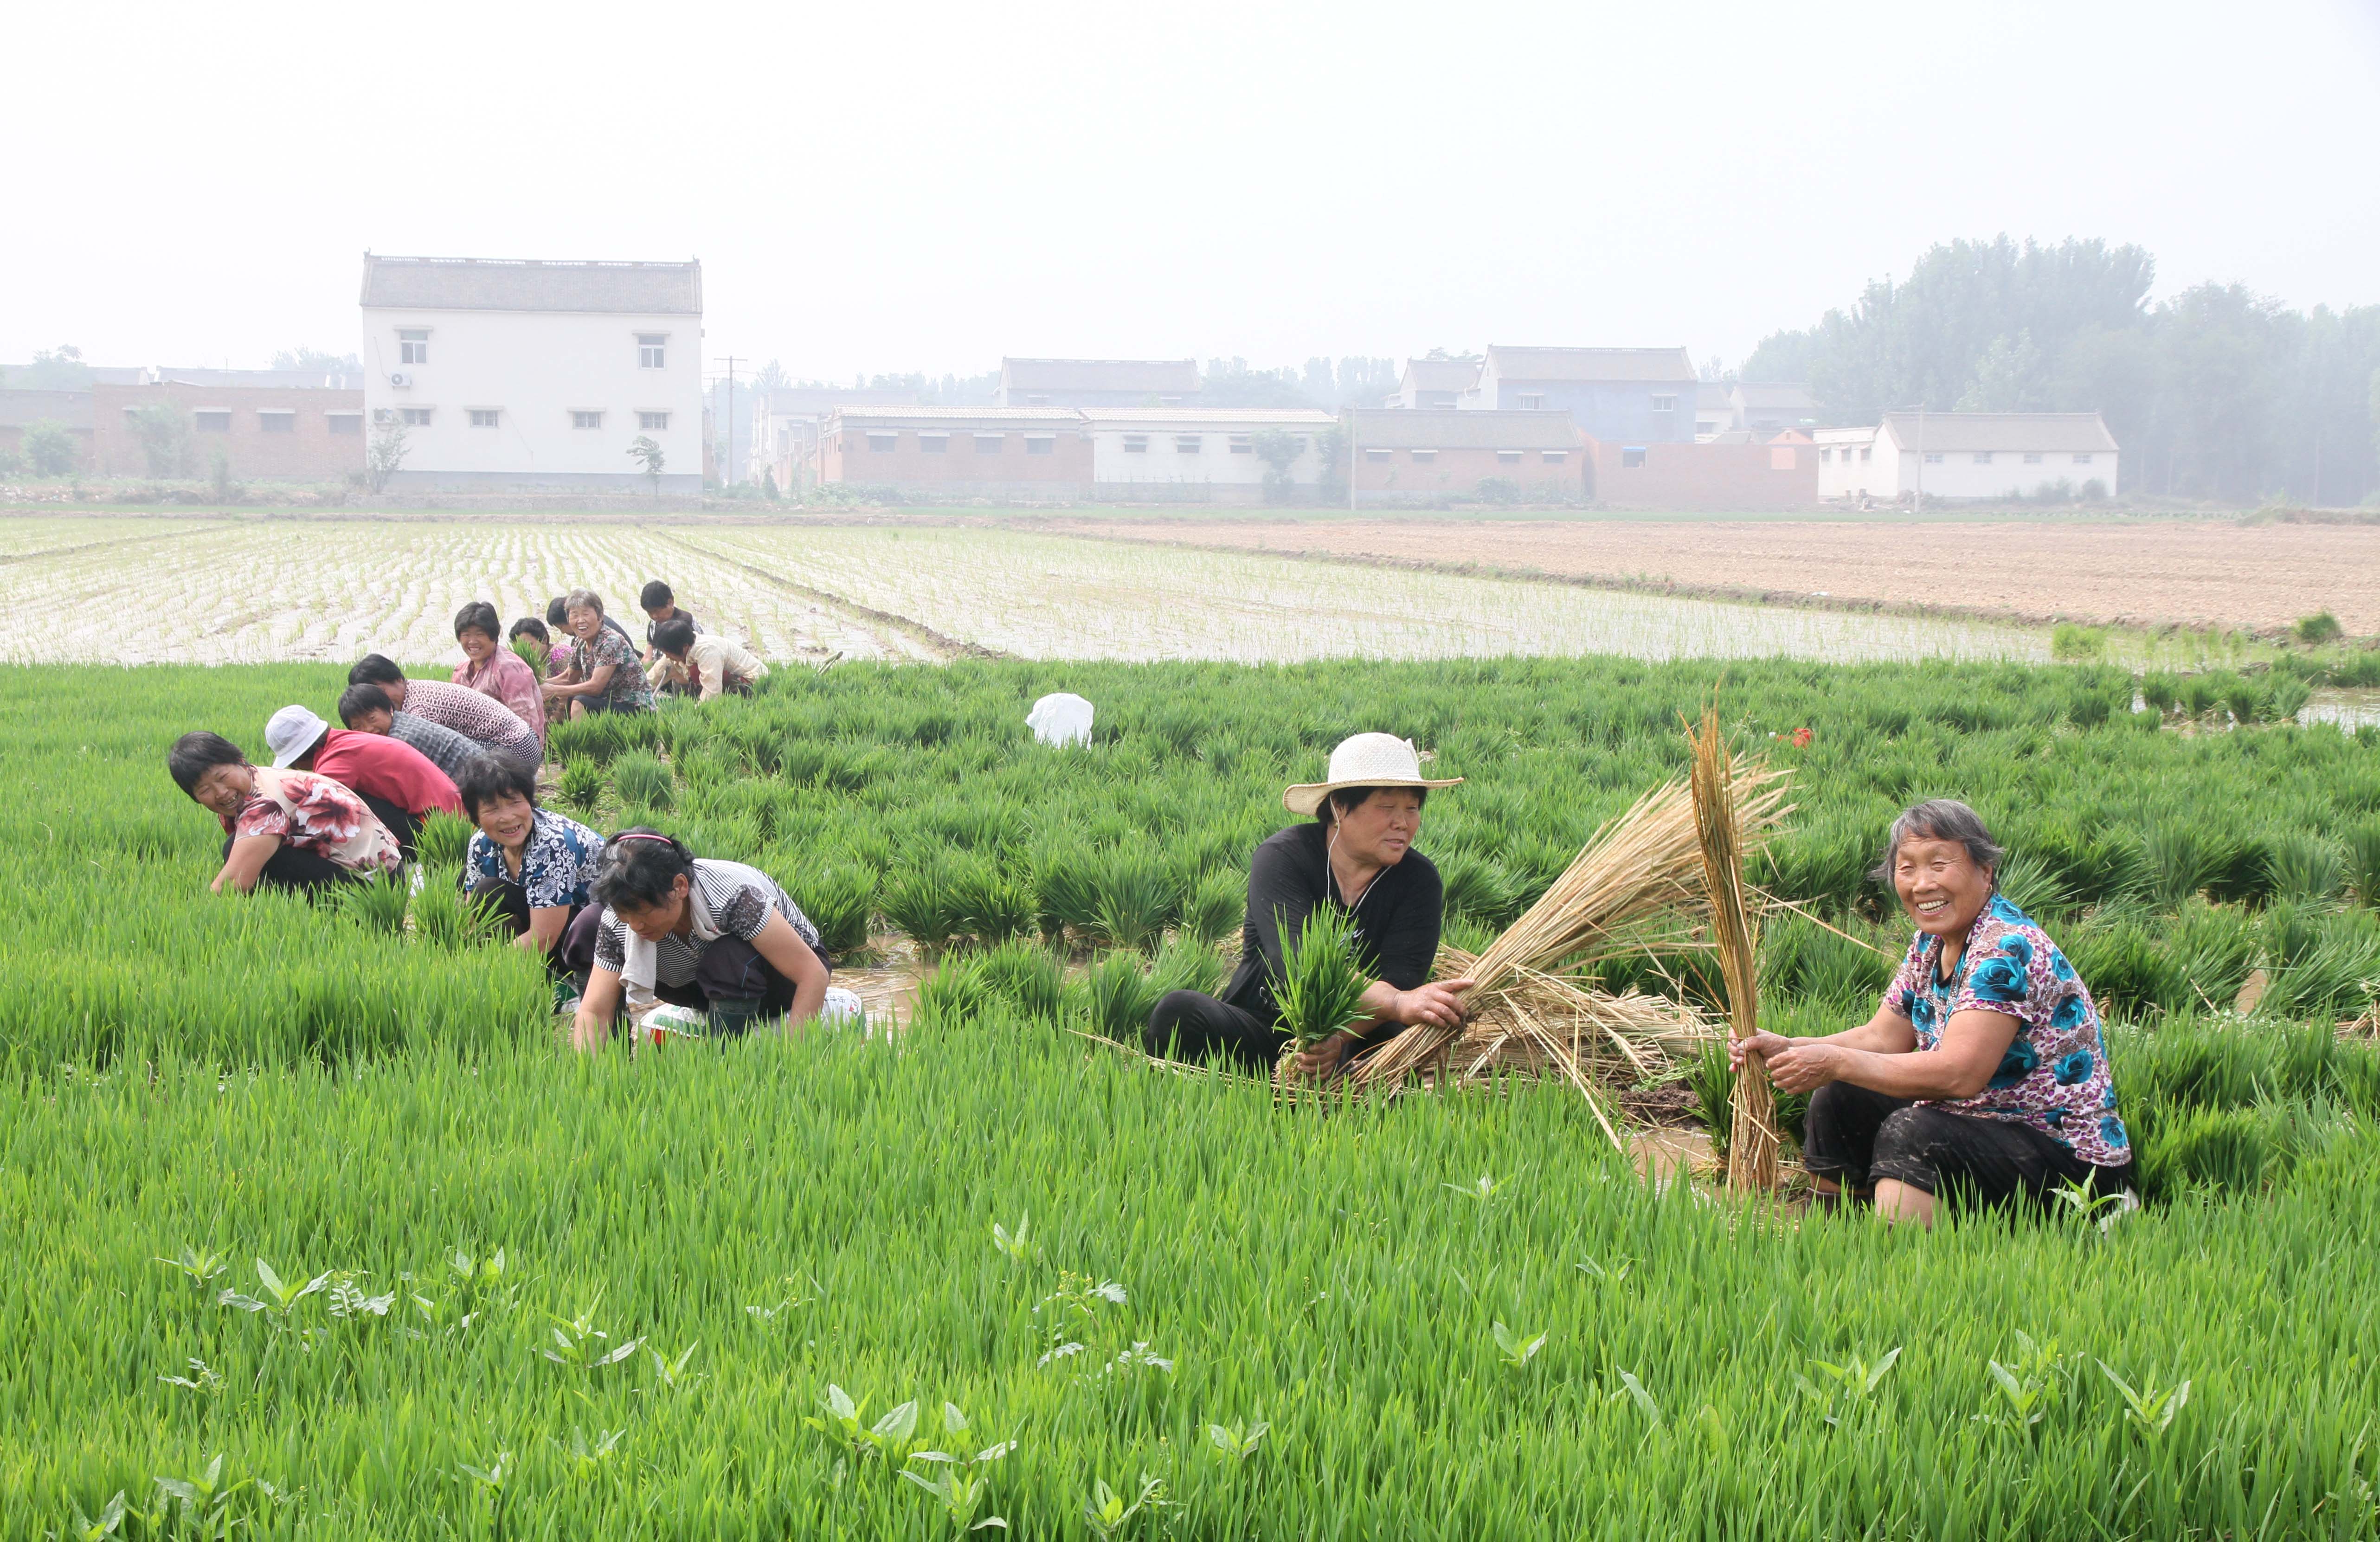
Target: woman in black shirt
(1356,854)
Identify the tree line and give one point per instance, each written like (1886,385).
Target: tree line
(2216,393)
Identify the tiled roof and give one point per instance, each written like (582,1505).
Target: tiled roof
(1175,376)
(1441,374)
(490,284)
(1390,429)
(1192,417)
(954,417)
(1592,364)
(1958,432)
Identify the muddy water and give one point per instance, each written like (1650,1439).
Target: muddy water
(2349,709)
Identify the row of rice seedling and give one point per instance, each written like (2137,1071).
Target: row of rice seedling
(692,1294)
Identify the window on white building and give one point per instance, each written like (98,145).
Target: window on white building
(415,416)
(1933,459)
(934,444)
(1867,451)
(1665,403)
(346,422)
(1242,446)
(1555,458)
(991,443)
(653,422)
(1631,455)
(1983,458)
(1136,444)
(652,350)
(1186,444)
(214,422)
(1826,455)
(2031,459)
(277,419)
(883,444)
(413,347)
(1530,399)
(2082,460)
(586,419)
(1041,444)
(1509,457)
(486,417)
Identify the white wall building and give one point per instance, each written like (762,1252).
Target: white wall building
(528,374)
(1969,455)
(1196,454)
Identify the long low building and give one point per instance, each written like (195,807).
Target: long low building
(1970,456)
(1073,455)
(1407,458)
(171,427)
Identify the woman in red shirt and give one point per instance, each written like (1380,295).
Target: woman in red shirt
(396,781)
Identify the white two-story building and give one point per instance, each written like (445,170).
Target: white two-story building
(524,374)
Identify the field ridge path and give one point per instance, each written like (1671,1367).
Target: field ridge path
(950,648)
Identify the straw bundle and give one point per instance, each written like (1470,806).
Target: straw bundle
(1638,885)
(1752,1147)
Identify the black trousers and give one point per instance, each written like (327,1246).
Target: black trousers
(309,873)
(731,982)
(510,902)
(404,826)
(1856,1136)
(1191,1026)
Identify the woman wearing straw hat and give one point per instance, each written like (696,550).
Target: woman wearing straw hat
(1358,856)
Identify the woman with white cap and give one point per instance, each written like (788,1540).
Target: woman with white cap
(1358,856)
(396,781)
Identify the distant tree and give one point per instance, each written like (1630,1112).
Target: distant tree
(58,369)
(1782,357)
(385,454)
(648,453)
(164,435)
(1714,371)
(771,377)
(49,448)
(2009,377)
(1278,449)
(314,362)
(1230,382)
(219,474)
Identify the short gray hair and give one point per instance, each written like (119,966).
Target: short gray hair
(1940,818)
(583,600)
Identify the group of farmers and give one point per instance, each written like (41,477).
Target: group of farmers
(1982,1076)
(628,922)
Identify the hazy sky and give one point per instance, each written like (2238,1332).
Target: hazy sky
(888,188)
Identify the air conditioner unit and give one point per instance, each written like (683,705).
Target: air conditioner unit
(400,380)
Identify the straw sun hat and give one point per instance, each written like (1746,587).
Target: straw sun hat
(1366,760)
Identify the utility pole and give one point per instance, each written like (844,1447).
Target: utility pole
(727,452)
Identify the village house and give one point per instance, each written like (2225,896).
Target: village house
(1202,455)
(1126,382)
(1435,383)
(20,411)
(1734,472)
(1714,409)
(1641,395)
(1767,408)
(523,374)
(171,426)
(789,419)
(1026,455)
(1403,458)
(1967,456)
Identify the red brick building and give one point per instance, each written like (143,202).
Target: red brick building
(1422,459)
(1027,453)
(1716,475)
(295,433)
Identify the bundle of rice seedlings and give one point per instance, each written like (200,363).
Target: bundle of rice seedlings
(1638,885)
(1752,1147)
(444,839)
(1322,981)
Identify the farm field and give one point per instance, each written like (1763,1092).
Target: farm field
(1285,1318)
(212,591)
(2138,572)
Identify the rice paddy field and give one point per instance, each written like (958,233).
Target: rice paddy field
(315,1231)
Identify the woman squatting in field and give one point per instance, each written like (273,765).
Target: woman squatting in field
(1983,1076)
(1358,855)
(717,936)
(289,829)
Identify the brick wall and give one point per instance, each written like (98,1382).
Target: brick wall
(1449,473)
(1702,476)
(237,419)
(960,468)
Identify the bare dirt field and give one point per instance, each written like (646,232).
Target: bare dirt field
(2138,572)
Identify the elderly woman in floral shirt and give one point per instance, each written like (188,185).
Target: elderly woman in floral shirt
(602,674)
(1983,1074)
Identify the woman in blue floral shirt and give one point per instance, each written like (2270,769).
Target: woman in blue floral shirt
(1983,1073)
(533,865)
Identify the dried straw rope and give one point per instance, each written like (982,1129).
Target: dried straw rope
(1752,1146)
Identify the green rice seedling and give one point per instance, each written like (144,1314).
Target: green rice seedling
(581,785)
(2337,974)
(1321,987)
(920,901)
(378,904)
(2200,694)
(985,904)
(642,780)
(444,838)
(2160,691)
(1187,964)
(2318,628)
(2181,861)
(1117,995)
(1065,888)
(2285,697)
(1216,905)
(1480,887)
(1137,898)
(958,989)
(1026,976)
(2070,644)
(2026,880)
(2304,867)
(2246,701)
(840,900)
(2362,862)
(444,917)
